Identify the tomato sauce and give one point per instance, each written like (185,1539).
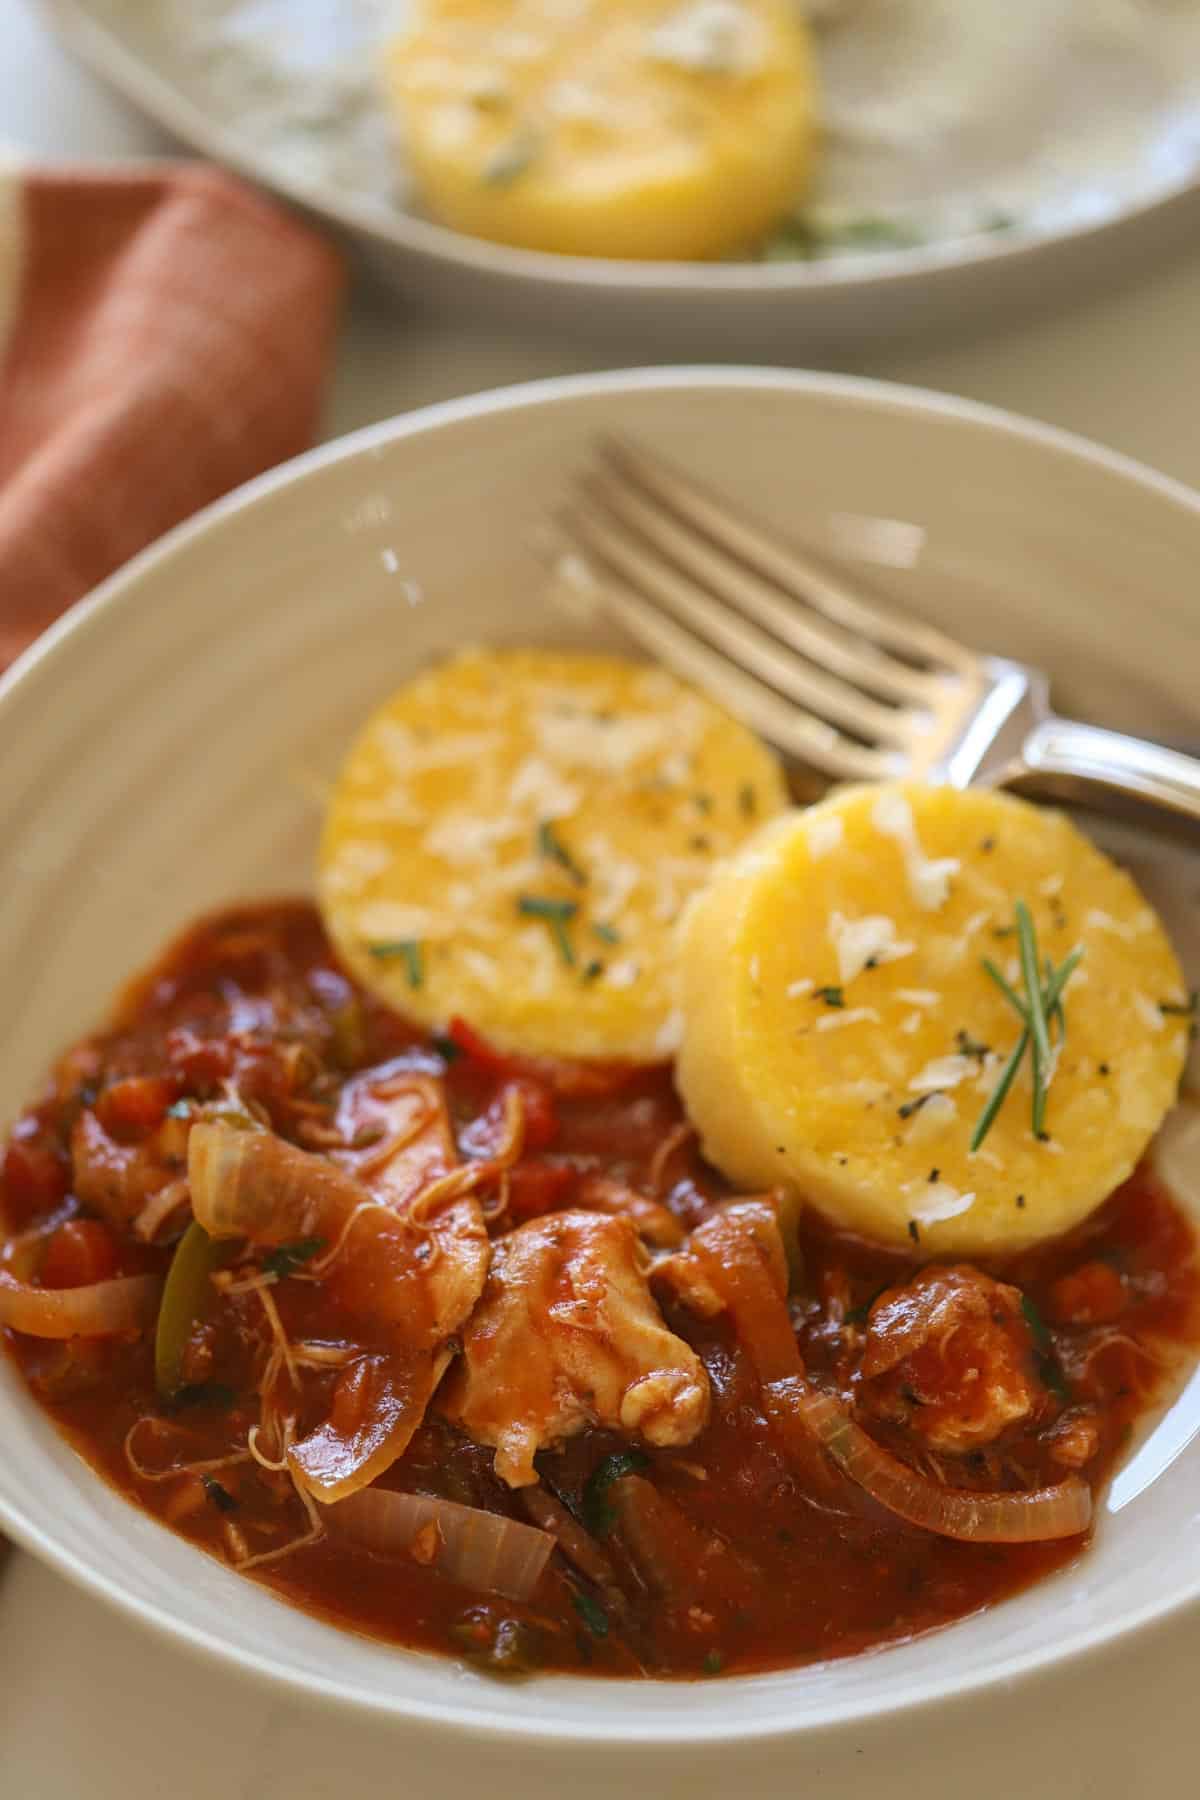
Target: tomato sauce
(793,1561)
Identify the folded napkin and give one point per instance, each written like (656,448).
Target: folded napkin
(165,334)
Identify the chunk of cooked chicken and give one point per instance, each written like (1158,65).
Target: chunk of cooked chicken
(416,1148)
(567,1335)
(950,1356)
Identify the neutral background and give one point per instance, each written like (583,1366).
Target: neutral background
(91,1707)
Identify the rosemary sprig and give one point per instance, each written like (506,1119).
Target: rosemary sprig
(1041,1003)
(1031,974)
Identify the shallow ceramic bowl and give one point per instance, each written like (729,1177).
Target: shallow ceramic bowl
(158,755)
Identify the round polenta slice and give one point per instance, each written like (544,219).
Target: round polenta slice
(514,835)
(628,128)
(842,1033)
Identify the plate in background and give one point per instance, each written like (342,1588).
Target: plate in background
(1073,163)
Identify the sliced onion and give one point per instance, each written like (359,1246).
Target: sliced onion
(1055,1512)
(479,1550)
(100,1309)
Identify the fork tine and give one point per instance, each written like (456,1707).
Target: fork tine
(806,739)
(788,568)
(604,535)
(855,659)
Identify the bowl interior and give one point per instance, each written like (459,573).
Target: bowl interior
(164,749)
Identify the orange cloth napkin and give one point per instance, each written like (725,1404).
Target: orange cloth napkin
(168,336)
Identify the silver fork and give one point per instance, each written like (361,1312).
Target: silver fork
(844,685)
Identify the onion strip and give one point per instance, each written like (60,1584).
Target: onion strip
(1062,1511)
(481,1550)
(99,1309)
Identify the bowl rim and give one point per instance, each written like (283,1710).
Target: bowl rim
(890,271)
(471,1718)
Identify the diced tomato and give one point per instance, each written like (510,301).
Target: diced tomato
(137,1104)
(201,1061)
(1093,1294)
(536,1187)
(35,1180)
(541,1118)
(80,1252)
(477,1048)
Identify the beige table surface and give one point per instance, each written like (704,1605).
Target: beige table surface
(94,1708)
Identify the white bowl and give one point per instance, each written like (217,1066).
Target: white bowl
(157,755)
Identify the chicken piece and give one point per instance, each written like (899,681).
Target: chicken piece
(416,1148)
(950,1356)
(567,1335)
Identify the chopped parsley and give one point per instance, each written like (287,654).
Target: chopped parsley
(606,933)
(201,1393)
(914,1231)
(551,846)
(285,1260)
(557,915)
(591,1612)
(220,1496)
(1036,1324)
(598,1514)
(713,1663)
(410,951)
(832,996)
(969,1046)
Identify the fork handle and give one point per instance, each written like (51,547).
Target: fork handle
(1090,757)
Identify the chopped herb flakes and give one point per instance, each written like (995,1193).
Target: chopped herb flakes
(551,846)
(446,1048)
(220,1496)
(200,1393)
(832,996)
(914,1231)
(289,1257)
(1036,1324)
(557,915)
(598,1515)
(969,1046)
(410,950)
(606,933)
(910,1107)
(593,972)
(591,1612)
(713,1663)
